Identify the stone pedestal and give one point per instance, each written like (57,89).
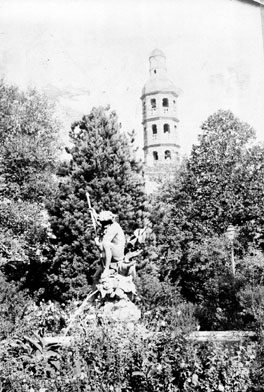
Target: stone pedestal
(120,311)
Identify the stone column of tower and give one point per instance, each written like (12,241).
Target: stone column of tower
(160,121)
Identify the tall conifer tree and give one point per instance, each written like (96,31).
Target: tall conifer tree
(103,165)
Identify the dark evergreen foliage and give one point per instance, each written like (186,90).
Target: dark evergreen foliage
(103,165)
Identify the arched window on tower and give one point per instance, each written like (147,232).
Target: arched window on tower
(166,128)
(153,103)
(154,131)
(165,102)
(155,155)
(167,155)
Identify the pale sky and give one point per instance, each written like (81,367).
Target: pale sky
(85,53)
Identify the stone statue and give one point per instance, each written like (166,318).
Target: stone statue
(117,270)
(111,242)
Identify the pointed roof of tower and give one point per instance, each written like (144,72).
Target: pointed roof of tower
(158,82)
(157,52)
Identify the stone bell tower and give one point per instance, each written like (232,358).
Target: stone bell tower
(160,121)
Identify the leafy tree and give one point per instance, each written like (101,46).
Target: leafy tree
(28,149)
(221,183)
(225,176)
(102,164)
(28,144)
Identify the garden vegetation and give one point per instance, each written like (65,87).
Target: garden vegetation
(48,257)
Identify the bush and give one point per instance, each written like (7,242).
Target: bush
(25,245)
(20,315)
(13,305)
(162,304)
(118,357)
(46,318)
(256,371)
(251,294)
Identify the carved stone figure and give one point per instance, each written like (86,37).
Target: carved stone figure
(117,269)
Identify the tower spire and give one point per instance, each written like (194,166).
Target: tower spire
(157,64)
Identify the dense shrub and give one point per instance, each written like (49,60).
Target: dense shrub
(256,371)
(13,305)
(162,303)
(20,315)
(117,357)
